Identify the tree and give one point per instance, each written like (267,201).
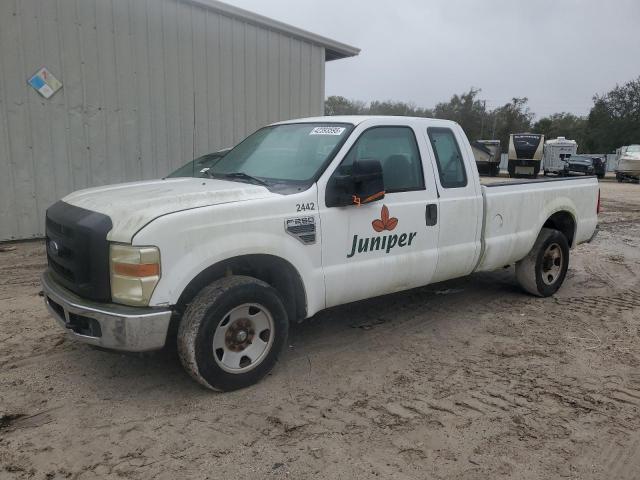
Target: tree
(513,117)
(565,125)
(614,119)
(389,107)
(467,110)
(336,105)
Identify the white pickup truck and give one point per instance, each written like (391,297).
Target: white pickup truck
(301,216)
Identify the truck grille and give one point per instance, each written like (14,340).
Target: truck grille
(78,251)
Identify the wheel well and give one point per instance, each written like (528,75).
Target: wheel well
(563,222)
(273,270)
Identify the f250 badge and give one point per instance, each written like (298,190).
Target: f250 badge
(385,242)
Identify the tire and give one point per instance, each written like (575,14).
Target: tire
(259,330)
(543,270)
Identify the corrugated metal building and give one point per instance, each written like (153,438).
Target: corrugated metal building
(129,70)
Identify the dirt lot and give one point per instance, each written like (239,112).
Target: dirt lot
(466,379)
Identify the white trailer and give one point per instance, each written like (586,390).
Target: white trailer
(556,152)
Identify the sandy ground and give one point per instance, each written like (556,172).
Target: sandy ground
(466,379)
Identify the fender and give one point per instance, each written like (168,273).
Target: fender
(192,241)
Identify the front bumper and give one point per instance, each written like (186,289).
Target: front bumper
(580,169)
(118,327)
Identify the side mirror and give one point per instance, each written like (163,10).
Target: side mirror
(365,184)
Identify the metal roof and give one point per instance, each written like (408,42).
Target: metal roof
(333,50)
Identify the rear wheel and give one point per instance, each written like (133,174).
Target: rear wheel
(543,270)
(232,333)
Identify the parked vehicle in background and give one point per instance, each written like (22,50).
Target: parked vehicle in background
(300,216)
(580,164)
(560,158)
(525,154)
(600,166)
(556,153)
(616,159)
(200,166)
(487,154)
(629,164)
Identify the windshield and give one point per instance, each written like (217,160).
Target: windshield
(292,153)
(199,167)
(633,149)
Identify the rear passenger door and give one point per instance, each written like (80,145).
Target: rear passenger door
(460,202)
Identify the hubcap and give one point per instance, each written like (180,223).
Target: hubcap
(243,338)
(552,264)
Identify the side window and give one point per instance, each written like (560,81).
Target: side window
(397,151)
(448,158)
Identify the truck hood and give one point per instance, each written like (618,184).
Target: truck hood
(133,205)
(580,161)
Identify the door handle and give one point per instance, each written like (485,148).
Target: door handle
(431,214)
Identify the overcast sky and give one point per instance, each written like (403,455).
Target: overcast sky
(558,53)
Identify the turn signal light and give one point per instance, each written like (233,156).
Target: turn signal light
(136,270)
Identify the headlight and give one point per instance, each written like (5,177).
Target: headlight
(135,272)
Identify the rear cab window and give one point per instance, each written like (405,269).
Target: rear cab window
(449,160)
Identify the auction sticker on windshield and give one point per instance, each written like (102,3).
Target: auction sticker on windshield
(327,131)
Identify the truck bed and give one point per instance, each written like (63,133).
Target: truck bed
(515,211)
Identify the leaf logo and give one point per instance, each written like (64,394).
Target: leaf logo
(384,223)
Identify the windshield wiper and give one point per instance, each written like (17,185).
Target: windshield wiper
(241,176)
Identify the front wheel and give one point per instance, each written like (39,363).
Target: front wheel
(232,333)
(543,270)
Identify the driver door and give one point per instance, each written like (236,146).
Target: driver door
(384,246)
